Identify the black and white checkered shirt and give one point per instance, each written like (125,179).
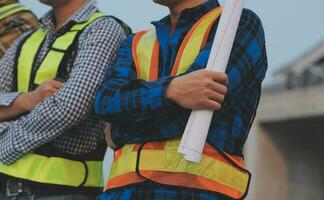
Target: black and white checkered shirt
(66,119)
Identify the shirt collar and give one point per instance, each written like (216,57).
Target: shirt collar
(81,15)
(191,14)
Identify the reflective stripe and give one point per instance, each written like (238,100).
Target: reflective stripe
(64,42)
(124,180)
(58,171)
(11,9)
(81,26)
(26,58)
(49,67)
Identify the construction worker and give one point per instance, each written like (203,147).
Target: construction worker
(15,19)
(51,144)
(150,90)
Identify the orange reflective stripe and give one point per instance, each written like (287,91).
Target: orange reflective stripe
(210,151)
(190,181)
(205,39)
(151,146)
(136,147)
(117,154)
(155,146)
(237,160)
(179,57)
(180,52)
(145,49)
(135,42)
(154,69)
(123,180)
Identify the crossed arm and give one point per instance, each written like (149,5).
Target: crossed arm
(26,102)
(60,107)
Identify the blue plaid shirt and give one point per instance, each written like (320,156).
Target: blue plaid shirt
(140,112)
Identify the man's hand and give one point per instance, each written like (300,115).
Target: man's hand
(28,101)
(201,89)
(108,138)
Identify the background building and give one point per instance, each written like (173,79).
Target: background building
(286,147)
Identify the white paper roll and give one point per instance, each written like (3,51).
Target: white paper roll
(195,134)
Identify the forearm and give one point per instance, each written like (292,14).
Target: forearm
(131,100)
(162,125)
(14,110)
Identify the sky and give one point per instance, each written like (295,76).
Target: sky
(292,27)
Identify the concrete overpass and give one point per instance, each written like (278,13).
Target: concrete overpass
(285,150)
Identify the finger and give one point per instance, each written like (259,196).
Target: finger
(56,84)
(51,91)
(212,105)
(218,87)
(218,77)
(215,96)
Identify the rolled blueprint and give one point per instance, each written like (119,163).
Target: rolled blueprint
(196,131)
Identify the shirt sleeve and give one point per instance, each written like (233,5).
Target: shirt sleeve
(139,108)
(97,47)
(248,61)
(4,126)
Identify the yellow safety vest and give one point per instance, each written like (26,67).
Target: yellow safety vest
(11,9)
(57,171)
(218,172)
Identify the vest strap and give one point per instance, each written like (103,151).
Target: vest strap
(26,59)
(53,59)
(57,171)
(147,65)
(145,48)
(191,46)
